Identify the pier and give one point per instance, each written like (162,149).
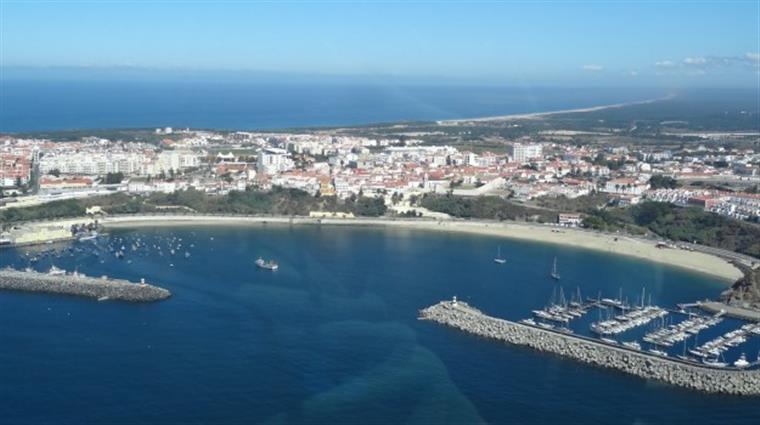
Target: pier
(694,376)
(102,289)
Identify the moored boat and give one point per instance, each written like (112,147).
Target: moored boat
(267,265)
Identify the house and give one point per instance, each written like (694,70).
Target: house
(569,219)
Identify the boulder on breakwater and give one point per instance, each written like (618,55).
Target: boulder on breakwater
(692,376)
(81,285)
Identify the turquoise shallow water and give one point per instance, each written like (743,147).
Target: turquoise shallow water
(332,337)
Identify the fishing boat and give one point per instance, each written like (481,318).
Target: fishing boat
(554,274)
(499,259)
(267,265)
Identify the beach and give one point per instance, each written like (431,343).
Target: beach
(620,244)
(536,115)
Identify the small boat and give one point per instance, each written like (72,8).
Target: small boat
(55,271)
(87,236)
(554,274)
(609,341)
(632,345)
(267,265)
(104,298)
(658,352)
(742,362)
(714,362)
(499,259)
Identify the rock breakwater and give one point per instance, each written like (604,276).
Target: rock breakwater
(81,285)
(706,379)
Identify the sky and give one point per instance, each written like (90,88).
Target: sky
(699,43)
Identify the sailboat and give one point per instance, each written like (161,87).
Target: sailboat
(499,259)
(554,274)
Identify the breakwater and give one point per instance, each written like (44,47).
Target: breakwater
(81,285)
(461,316)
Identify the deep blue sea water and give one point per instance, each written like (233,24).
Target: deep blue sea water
(31,105)
(332,337)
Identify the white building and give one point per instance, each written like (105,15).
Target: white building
(273,161)
(626,186)
(524,153)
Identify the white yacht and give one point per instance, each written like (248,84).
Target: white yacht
(55,271)
(742,362)
(499,259)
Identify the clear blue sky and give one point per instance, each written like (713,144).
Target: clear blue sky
(573,43)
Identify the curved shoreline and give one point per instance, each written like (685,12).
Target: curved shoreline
(620,245)
(535,115)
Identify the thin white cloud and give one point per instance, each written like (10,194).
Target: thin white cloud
(592,67)
(695,61)
(665,64)
(699,65)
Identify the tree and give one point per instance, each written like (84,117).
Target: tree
(658,181)
(370,207)
(114,178)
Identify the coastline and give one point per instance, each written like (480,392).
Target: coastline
(624,245)
(536,115)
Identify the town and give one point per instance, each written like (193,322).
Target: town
(396,170)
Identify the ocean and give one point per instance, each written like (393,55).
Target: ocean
(42,105)
(332,337)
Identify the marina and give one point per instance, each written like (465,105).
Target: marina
(739,379)
(672,333)
(354,319)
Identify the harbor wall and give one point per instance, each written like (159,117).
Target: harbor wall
(642,364)
(80,285)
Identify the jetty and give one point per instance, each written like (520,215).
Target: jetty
(694,376)
(77,284)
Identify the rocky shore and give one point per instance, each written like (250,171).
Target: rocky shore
(80,285)
(710,380)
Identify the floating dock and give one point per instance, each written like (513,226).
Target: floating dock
(77,284)
(704,378)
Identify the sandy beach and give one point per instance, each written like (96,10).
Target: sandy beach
(536,115)
(695,261)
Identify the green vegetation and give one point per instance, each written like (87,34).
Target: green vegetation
(658,181)
(582,204)
(370,207)
(57,209)
(114,178)
(278,201)
(485,207)
(681,224)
